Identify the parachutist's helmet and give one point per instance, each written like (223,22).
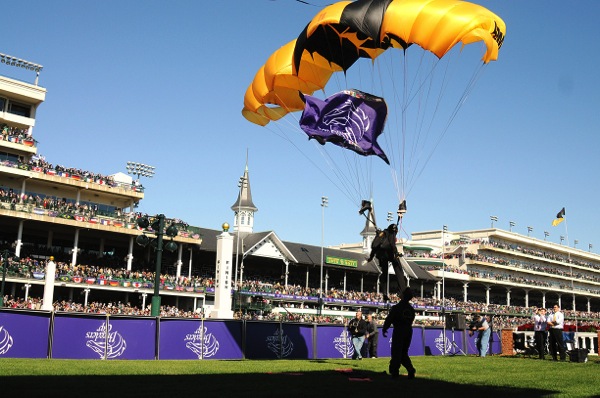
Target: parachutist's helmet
(393,228)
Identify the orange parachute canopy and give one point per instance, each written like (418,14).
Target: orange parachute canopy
(345,31)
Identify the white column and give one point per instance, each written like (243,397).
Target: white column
(465,286)
(439,290)
(574,309)
(23,187)
(287,271)
(190,272)
(306,287)
(49,285)
(19,239)
(526,298)
(85,301)
(543,299)
(487,295)
(75,248)
(179,262)
(130,254)
(222,308)
(507,296)
(589,308)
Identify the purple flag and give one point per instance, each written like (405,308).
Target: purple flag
(350,119)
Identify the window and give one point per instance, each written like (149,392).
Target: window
(19,109)
(2,103)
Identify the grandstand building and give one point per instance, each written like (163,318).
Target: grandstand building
(87,222)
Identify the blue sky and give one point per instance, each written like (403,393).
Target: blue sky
(162,83)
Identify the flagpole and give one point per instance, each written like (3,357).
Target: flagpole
(571,272)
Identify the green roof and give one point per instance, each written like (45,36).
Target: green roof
(418,248)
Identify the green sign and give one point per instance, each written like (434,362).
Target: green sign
(346,262)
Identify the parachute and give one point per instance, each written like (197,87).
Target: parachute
(408,42)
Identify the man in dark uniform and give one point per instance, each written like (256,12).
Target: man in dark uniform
(401,316)
(372,336)
(385,250)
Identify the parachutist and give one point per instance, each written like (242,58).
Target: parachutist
(384,249)
(365,206)
(401,209)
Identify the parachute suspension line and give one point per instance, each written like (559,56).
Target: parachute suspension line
(297,131)
(388,136)
(474,78)
(350,190)
(423,88)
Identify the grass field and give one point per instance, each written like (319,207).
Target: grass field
(457,376)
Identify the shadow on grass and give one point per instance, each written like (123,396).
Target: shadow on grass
(330,383)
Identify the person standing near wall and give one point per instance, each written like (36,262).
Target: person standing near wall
(540,334)
(357,328)
(372,336)
(556,322)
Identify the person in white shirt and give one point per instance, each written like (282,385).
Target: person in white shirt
(540,325)
(556,322)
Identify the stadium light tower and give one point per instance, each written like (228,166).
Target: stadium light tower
(493,219)
(529,230)
(546,234)
(511,224)
(140,169)
(324,204)
(390,216)
(21,63)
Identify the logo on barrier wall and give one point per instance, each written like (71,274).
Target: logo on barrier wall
(114,346)
(343,344)
(442,343)
(6,340)
(280,344)
(202,348)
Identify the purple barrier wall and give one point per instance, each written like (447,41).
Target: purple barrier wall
(333,341)
(24,334)
(194,339)
(417,347)
(138,334)
(101,337)
(266,340)
(436,344)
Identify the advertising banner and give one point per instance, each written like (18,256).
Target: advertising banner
(79,337)
(266,340)
(24,334)
(102,337)
(417,347)
(439,341)
(138,336)
(195,339)
(334,341)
